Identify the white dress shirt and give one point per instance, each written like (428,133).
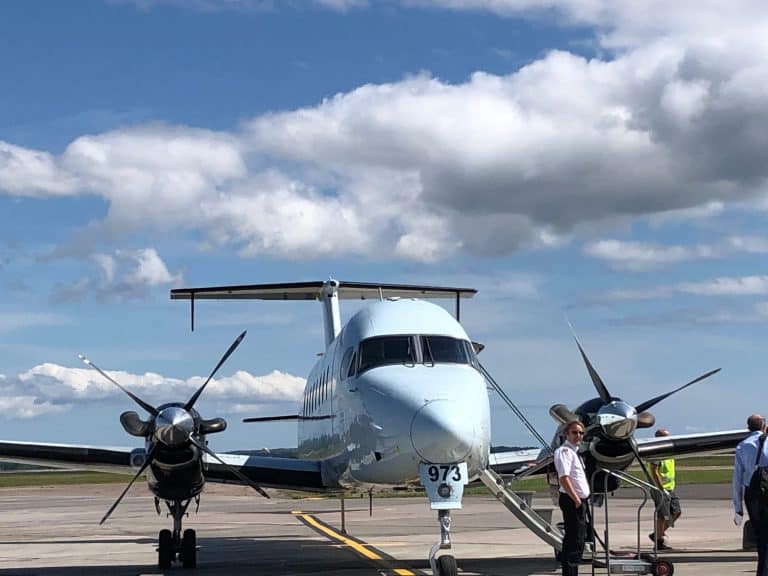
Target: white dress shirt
(744,466)
(568,463)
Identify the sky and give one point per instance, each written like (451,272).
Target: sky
(592,161)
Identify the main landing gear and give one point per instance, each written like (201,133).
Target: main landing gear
(175,545)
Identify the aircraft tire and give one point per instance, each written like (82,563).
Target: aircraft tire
(165,549)
(189,549)
(663,568)
(446,566)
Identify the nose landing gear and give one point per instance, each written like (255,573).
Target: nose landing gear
(444,484)
(175,545)
(444,565)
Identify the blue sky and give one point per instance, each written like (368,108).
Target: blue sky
(594,160)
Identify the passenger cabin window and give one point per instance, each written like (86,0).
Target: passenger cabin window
(384,350)
(444,350)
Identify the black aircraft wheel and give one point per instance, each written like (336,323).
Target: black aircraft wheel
(446,566)
(165,551)
(189,549)
(663,568)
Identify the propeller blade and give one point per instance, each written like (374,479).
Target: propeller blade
(602,391)
(653,401)
(633,444)
(148,407)
(191,402)
(645,420)
(147,462)
(561,414)
(232,469)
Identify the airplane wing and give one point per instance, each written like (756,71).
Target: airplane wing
(68,456)
(689,444)
(519,463)
(270,471)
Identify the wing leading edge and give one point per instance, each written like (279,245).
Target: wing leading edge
(687,444)
(67,456)
(268,471)
(313,291)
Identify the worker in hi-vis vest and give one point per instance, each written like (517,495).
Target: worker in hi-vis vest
(663,473)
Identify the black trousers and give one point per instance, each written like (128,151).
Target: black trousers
(575,520)
(758,516)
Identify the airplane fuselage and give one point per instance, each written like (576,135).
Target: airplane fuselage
(397,386)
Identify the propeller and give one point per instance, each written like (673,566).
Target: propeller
(653,401)
(191,402)
(618,419)
(173,426)
(141,470)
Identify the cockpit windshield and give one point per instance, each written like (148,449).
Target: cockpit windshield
(444,349)
(382,350)
(411,350)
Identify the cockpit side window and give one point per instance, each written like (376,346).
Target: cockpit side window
(386,350)
(444,350)
(346,362)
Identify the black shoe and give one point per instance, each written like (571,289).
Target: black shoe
(663,546)
(652,536)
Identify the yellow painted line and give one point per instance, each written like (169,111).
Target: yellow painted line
(356,546)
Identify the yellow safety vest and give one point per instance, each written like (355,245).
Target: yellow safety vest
(667,473)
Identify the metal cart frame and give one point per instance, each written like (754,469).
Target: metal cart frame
(641,563)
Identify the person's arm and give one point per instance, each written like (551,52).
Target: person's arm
(656,476)
(738,485)
(567,485)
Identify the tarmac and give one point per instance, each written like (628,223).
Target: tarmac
(55,530)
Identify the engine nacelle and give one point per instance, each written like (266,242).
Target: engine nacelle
(138,457)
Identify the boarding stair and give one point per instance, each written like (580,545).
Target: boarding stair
(540,524)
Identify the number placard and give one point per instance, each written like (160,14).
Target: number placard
(444,484)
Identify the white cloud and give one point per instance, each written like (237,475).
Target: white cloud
(149,269)
(48,388)
(641,256)
(125,274)
(10,321)
(33,173)
(724,286)
(420,169)
(744,286)
(342,5)
(26,407)
(762,309)
(749,244)
(704,211)
(644,256)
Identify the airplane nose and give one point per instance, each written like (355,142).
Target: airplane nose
(442,432)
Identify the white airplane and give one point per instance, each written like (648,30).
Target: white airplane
(398,397)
